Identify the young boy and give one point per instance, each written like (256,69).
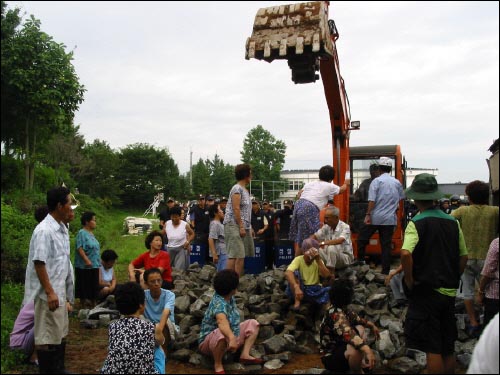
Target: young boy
(216,242)
(107,278)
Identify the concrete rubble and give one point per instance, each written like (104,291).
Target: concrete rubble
(284,332)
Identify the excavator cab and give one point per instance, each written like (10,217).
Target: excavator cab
(299,33)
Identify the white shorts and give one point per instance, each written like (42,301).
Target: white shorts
(50,326)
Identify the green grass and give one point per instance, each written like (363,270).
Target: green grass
(110,234)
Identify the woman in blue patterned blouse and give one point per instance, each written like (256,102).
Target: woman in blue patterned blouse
(221,330)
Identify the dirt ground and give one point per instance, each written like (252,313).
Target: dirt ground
(86,350)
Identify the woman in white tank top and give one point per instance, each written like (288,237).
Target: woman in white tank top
(180,235)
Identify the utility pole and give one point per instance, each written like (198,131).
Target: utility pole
(191,169)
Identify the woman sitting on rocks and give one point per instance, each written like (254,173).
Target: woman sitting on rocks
(155,257)
(221,330)
(342,345)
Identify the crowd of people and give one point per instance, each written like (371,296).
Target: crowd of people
(445,252)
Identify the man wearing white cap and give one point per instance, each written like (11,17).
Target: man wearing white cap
(383,201)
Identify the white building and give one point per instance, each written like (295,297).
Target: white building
(412,172)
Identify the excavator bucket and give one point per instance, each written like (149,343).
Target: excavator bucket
(299,33)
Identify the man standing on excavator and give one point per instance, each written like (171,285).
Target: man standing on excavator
(383,201)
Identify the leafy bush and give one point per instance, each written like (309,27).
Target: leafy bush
(16,233)
(25,201)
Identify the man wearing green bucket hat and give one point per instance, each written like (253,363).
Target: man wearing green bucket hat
(433,256)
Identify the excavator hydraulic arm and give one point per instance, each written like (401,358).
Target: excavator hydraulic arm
(302,34)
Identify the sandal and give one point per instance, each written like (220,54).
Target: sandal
(251,361)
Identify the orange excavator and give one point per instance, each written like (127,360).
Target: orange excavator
(303,35)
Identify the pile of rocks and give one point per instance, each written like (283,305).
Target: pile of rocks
(284,332)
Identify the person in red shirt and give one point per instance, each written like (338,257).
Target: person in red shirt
(153,258)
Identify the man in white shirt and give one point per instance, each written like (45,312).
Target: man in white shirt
(335,241)
(49,281)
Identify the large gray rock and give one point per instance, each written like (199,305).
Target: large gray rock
(196,359)
(385,346)
(464,359)
(83,314)
(261,308)
(313,371)
(418,356)
(89,323)
(207,273)
(283,356)
(377,301)
(235,366)
(273,364)
(266,319)
(179,286)
(182,355)
(290,341)
(182,304)
(275,344)
(266,332)
(283,333)
(274,307)
(198,308)
(370,276)
(247,284)
(255,299)
(404,365)
(186,323)
(359,299)
(98,311)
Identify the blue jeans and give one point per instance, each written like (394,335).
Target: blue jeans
(397,286)
(221,264)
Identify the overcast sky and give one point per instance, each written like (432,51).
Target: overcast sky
(424,75)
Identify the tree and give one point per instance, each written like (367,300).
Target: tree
(145,171)
(201,178)
(41,88)
(266,156)
(64,153)
(221,176)
(97,173)
(10,21)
